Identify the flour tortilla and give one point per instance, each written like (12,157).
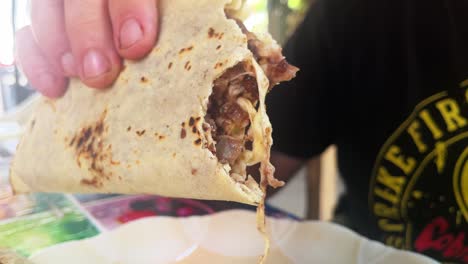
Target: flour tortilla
(127,139)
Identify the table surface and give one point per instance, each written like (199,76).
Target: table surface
(29,223)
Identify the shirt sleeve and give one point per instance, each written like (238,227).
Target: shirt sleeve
(303,111)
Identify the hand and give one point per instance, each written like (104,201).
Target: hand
(84,38)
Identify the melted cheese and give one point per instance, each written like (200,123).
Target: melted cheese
(258,152)
(261,128)
(260,133)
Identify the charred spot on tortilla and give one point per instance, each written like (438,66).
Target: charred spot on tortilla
(129,128)
(185,49)
(191,121)
(183,133)
(90,151)
(72,141)
(143,79)
(93,182)
(141,132)
(187,66)
(211,32)
(198,142)
(218,47)
(218,65)
(169,66)
(161,137)
(83,137)
(99,128)
(194,171)
(194,129)
(32,124)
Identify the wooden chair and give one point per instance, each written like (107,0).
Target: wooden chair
(321,176)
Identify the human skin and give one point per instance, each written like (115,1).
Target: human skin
(86,39)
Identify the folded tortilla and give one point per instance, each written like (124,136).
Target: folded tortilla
(185,121)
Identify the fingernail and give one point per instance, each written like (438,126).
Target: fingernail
(95,64)
(68,64)
(130,33)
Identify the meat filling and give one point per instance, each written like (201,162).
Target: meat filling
(226,120)
(269,56)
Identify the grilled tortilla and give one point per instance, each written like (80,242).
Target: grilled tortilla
(185,121)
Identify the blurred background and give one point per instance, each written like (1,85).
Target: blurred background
(14,86)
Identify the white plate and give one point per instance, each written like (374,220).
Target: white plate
(227,237)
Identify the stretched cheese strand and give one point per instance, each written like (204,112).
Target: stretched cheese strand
(261,130)
(259,153)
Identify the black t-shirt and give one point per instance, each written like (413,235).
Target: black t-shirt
(387,82)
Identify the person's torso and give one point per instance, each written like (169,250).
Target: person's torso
(403,132)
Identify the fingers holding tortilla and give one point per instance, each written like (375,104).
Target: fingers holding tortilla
(90,35)
(48,25)
(187,121)
(40,72)
(85,39)
(135,25)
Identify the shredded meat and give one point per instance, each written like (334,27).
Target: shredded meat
(270,58)
(230,122)
(233,119)
(226,120)
(228,149)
